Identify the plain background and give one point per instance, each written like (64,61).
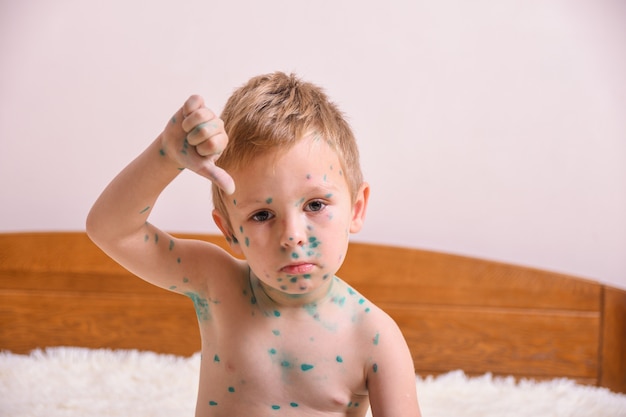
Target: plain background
(494,129)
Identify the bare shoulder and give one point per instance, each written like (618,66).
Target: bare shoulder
(199,266)
(387,361)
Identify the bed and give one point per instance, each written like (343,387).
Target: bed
(457,313)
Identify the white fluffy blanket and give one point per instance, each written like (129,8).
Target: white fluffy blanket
(74,382)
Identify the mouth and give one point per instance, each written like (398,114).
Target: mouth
(296,269)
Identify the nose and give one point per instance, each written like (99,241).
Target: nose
(293,233)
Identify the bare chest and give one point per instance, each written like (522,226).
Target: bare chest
(264,359)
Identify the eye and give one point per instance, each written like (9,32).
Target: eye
(262,216)
(315,205)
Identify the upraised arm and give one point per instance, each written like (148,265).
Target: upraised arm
(117,223)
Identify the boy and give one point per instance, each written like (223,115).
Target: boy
(281,334)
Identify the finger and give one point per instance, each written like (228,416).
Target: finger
(207,131)
(213,147)
(192,104)
(196,117)
(218,176)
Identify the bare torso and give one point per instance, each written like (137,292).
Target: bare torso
(262,360)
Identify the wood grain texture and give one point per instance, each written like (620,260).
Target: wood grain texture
(456,312)
(613,367)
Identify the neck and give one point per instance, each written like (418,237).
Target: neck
(271,297)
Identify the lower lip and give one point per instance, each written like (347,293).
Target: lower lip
(297,269)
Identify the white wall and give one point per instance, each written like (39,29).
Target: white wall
(489,128)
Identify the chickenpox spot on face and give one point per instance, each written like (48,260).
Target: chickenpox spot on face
(376,339)
(216,358)
(306,367)
(231,389)
(269,200)
(375,367)
(212,403)
(247,242)
(339,359)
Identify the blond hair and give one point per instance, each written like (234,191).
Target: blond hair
(273,112)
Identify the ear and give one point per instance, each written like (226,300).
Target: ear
(359,208)
(224,225)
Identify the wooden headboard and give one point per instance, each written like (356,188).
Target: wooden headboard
(58,289)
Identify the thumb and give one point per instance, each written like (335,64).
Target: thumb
(218,176)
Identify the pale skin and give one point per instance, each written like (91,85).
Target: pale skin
(281,334)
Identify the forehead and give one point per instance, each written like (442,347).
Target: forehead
(310,161)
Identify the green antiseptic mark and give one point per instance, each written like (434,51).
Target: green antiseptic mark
(201,305)
(306,367)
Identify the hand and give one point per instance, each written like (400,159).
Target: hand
(194,138)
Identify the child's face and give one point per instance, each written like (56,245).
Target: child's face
(292,214)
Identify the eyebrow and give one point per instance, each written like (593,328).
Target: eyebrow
(326,190)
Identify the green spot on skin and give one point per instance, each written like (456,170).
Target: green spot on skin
(272,351)
(171,244)
(339,359)
(146,238)
(293,404)
(285,364)
(178,260)
(276,407)
(306,367)
(276,332)
(269,200)
(216,358)
(375,340)
(173,119)
(185,280)
(144,210)
(212,403)
(367,310)
(235,202)
(231,389)
(173,287)
(375,367)
(162,152)
(201,305)
(156,238)
(295,255)
(247,242)
(276,313)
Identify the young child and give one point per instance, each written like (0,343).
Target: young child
(281,334)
